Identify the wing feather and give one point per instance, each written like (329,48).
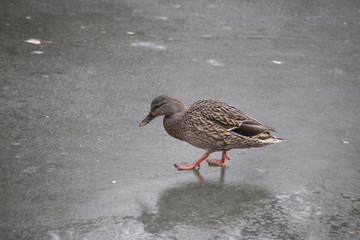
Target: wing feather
(228,117)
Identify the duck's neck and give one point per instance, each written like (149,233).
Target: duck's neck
(173,123)
(176,107)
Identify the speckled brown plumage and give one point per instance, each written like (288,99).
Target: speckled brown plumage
(210,125)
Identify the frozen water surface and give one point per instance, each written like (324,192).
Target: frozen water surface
(75,165)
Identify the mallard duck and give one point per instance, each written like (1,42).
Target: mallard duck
(210,125)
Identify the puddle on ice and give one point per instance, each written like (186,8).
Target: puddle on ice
(247,212)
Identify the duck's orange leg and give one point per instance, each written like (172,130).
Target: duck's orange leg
(219,162)
(187,166)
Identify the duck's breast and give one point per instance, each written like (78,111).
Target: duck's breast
(174,127)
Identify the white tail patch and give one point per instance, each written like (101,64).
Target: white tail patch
(271,140)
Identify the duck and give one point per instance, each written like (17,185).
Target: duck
(211,125)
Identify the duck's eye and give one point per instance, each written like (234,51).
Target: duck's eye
(158,105)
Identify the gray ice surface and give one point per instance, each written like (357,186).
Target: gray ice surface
(75,165)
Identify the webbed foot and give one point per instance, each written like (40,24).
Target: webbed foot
(185,166)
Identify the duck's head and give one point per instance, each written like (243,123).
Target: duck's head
(163,106)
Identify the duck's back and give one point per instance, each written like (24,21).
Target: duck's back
(221,113)
(207,124)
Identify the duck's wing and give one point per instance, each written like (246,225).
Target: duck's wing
(229,118)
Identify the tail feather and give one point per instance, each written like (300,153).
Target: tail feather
(272,140)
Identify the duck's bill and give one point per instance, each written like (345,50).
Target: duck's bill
(147,120)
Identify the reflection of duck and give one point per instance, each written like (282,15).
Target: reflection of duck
(203,204)
(202,180)
(210,125)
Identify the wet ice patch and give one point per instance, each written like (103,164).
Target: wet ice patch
(54,235)
(121,19)
(261,170)
(149,45)
(103,228)
(31,170)
(215,63)
(161,18)
(136,11)
(37,52)
(209,36)
(175,5)
(287,216)
(296,205)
